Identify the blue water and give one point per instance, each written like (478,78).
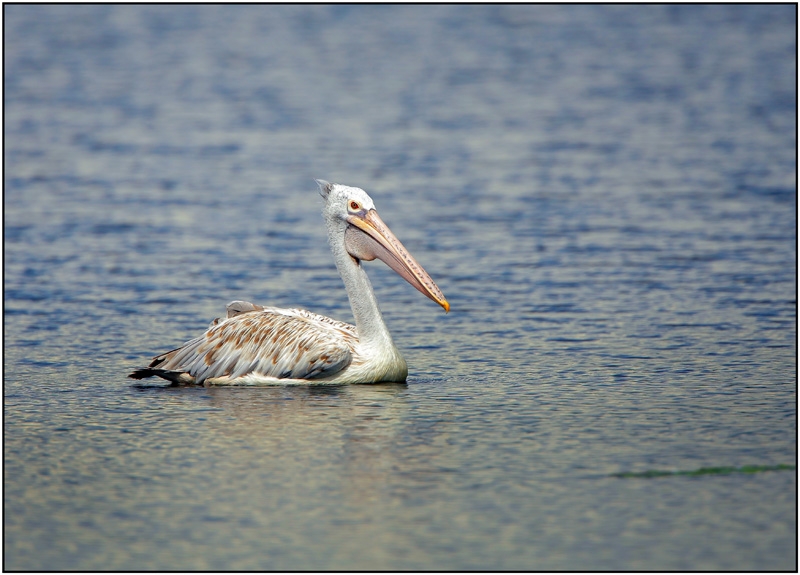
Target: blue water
(605,194)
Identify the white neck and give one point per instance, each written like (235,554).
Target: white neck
(371,329)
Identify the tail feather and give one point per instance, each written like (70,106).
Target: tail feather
(175,376)
(180,377)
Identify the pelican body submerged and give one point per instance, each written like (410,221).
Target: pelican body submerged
(262,345)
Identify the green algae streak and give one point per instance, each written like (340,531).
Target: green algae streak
(706,471)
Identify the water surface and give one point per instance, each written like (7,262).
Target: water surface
(606,196)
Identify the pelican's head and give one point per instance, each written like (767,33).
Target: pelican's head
(366,237)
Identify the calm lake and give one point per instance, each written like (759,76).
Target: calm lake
(606,195)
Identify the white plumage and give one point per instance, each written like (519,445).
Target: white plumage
(261,345)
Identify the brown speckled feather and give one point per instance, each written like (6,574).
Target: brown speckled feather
(271,342)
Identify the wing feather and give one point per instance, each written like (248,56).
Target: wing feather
(273,342)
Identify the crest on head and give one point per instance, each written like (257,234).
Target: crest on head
(324,188)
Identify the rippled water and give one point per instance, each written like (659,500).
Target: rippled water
(606,196)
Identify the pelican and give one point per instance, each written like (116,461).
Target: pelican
(257,345)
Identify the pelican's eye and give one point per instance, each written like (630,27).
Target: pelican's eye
(354,205)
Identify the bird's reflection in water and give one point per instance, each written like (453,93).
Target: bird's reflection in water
(343,436)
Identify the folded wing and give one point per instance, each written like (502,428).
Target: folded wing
(266,341)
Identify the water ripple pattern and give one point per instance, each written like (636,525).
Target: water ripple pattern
(605,194)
